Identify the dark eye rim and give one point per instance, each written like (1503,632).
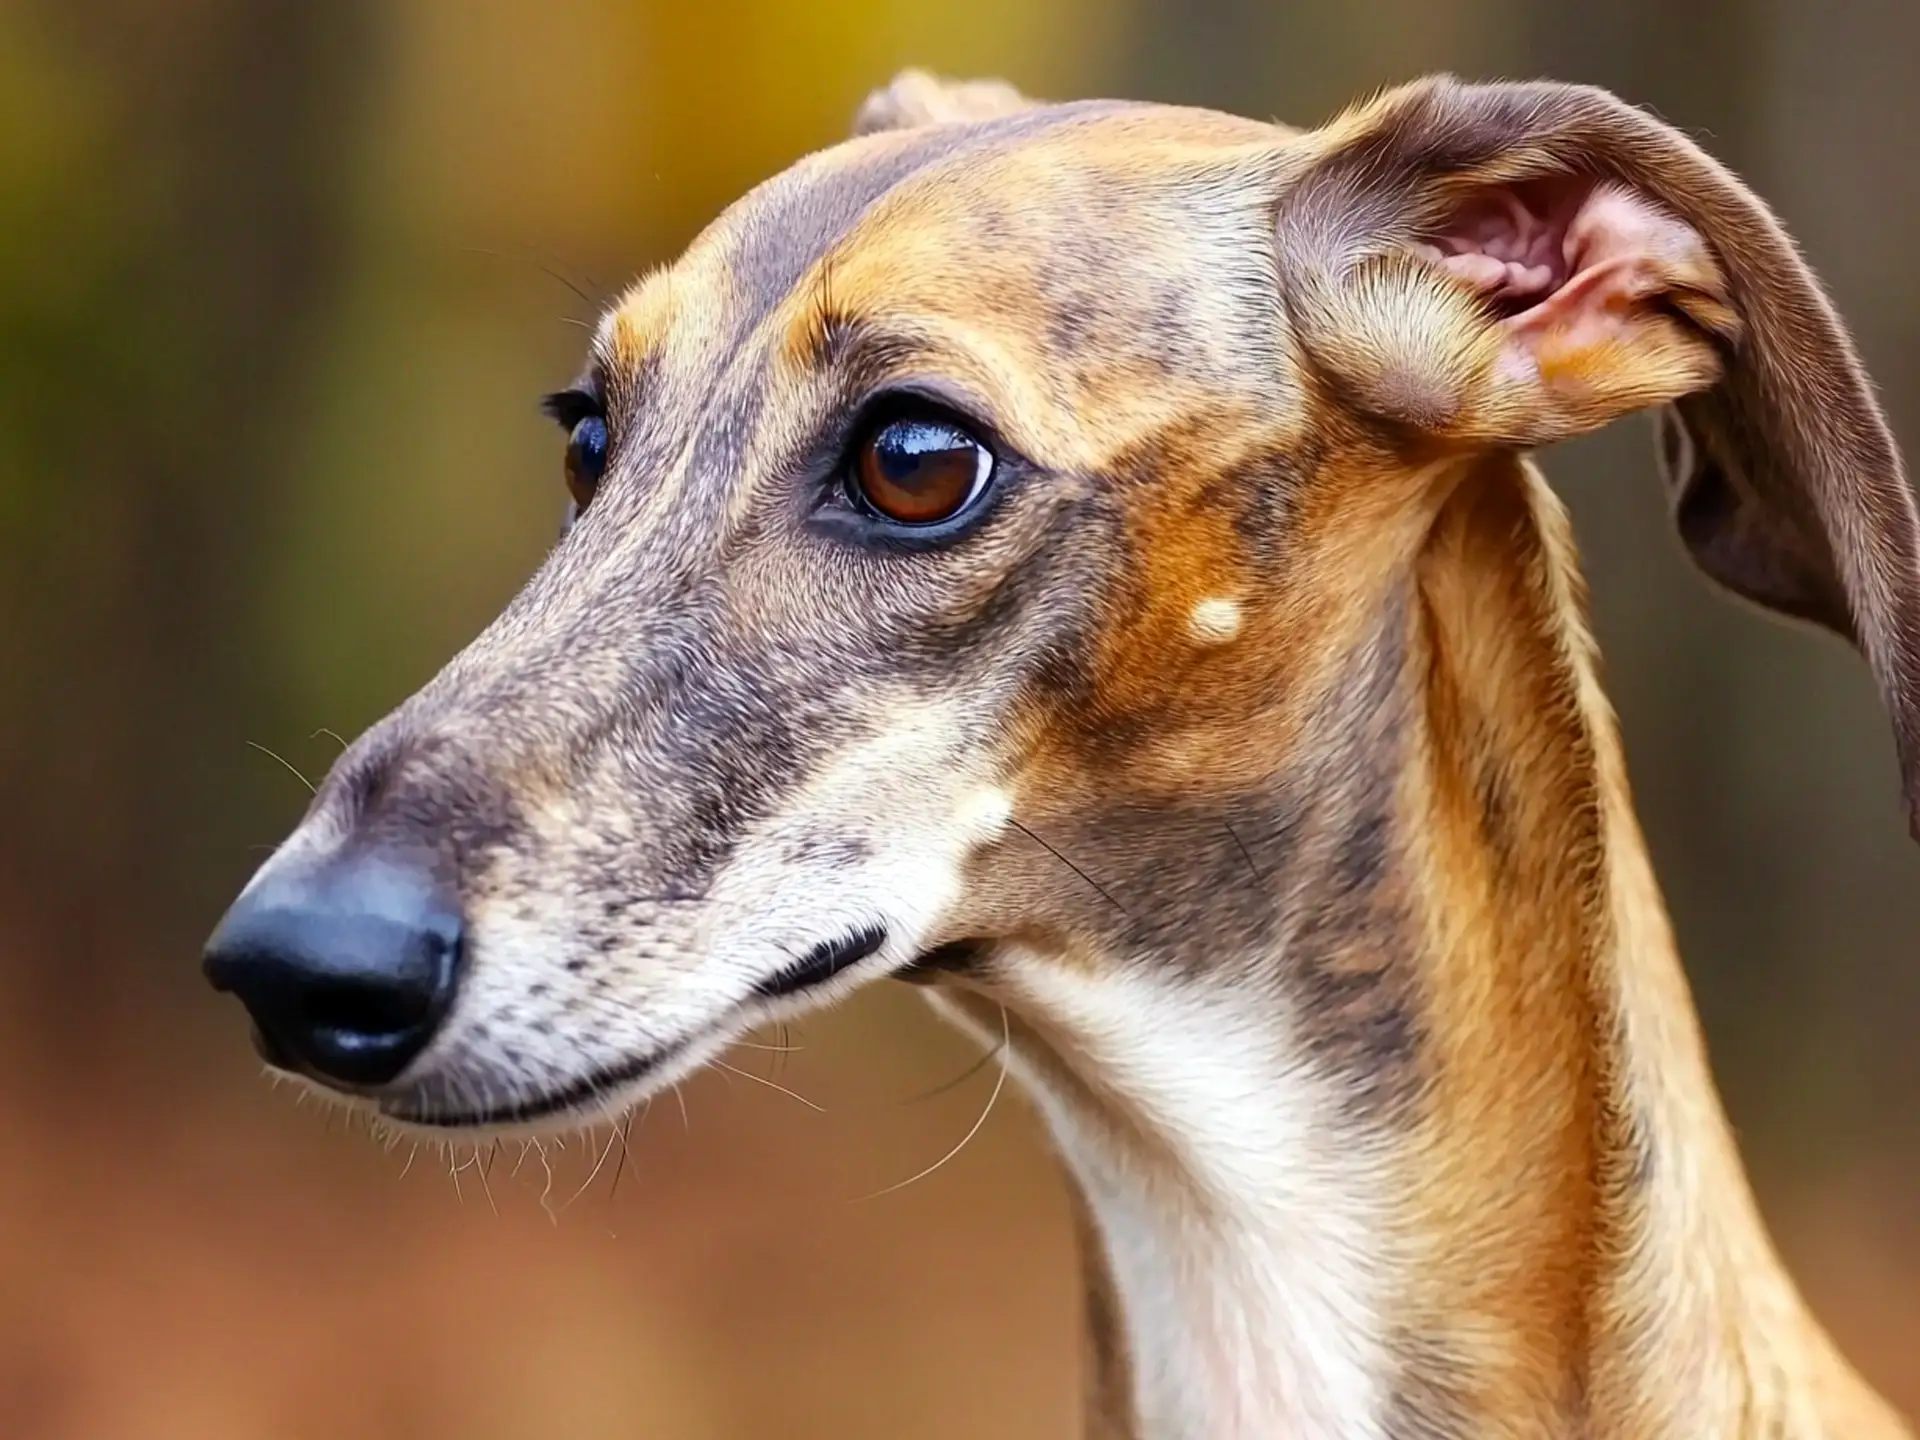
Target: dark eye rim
(858,517)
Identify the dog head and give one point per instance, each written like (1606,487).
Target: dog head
(1013,472)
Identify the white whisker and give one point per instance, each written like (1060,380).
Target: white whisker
(771,1085)
(1006,1043)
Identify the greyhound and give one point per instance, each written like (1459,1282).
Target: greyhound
(1086,559)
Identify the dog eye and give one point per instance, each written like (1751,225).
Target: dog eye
(919,471)
(586,458)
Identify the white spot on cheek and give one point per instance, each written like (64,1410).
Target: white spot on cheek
(984,813)
(1215,620)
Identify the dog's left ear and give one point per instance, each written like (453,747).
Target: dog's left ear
(1506,265)
(915,98)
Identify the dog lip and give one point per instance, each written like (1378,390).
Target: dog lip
(819,965)
(822,963)
(574,1096)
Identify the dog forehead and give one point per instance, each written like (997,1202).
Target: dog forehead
(1038,188)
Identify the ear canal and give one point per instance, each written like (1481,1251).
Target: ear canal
(1510,264)
(915,98)
(1576,268)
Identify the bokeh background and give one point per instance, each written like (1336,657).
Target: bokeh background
(278,286)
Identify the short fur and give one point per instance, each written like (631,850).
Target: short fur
(1248,757)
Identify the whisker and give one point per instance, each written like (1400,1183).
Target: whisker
(486,1187)
(770,1049)
(986,1058)
(771,1085)
(999,1084)
(1102,890)
(546,1194)
(285,763)
(332,735)
(1245,853)
(550,271)
(620,1165)
(613,1136)
(553,274)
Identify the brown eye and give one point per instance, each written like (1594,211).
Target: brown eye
(920,471)
(586,458)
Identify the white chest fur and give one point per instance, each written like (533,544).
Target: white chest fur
(1242,1232)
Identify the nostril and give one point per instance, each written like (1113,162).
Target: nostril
(363,1007)
(386,1002)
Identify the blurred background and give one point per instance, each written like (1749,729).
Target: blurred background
(279,284)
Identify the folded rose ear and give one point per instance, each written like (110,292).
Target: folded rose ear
(1485,266)
(1605,301)
(915,98)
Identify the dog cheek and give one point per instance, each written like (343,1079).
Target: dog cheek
(881,836)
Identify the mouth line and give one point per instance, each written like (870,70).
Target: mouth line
(572,1097)
(819,965)
(822,963)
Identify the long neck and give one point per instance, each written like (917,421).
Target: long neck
(1436,1152)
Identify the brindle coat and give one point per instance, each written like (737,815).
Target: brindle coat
(1244,758)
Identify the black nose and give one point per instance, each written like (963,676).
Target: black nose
(347,972)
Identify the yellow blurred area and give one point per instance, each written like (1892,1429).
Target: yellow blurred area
(279,286)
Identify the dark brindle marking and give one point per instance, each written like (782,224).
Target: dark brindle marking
(1240,751)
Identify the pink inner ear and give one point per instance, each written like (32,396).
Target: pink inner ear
(1566,255)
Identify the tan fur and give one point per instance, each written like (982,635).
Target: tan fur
(1248,764)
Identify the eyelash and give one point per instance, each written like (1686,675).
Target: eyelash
(567,408)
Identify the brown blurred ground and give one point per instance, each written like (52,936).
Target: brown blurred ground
(273,310)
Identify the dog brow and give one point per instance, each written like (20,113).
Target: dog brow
(631,330)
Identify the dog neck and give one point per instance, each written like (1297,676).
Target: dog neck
(1442,1156)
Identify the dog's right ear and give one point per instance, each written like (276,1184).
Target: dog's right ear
(1501,266)
(915,98)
